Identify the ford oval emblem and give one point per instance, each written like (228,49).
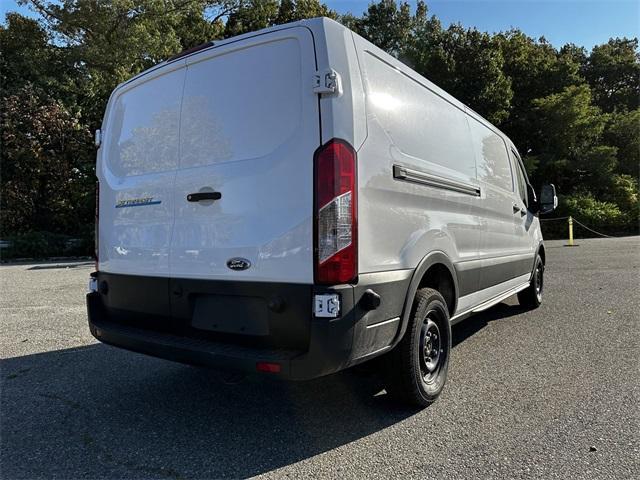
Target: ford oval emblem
(238,263)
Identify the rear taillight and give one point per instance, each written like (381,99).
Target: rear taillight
(336,253)
(96,231)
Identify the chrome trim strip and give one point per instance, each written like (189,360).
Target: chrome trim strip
(384,322)
(416,176)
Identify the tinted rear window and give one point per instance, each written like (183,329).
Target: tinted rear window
(242,104)
(143,126)
(236,105)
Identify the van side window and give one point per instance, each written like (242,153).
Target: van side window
(520,178)
(522,182)
(492,161)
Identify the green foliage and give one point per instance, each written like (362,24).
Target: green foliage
(467,64)
(623,132)
(591,211)
(613,71)
(573,114)
(386,24)
(28,56)
(568,139)
(46,245)
(624,193)
(47,163)
(251,15)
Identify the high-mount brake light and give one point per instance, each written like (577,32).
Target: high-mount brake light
(336,252)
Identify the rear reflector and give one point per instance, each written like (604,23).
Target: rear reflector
(268,367)
(336,255)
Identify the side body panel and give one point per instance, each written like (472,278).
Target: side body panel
(481,225)
(414,125)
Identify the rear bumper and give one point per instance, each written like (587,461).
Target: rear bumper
(329,348)
(317,346)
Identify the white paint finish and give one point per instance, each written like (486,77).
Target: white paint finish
(411,123)
(138,160)
(248,126)
(421,124)
(343,116)
(249,130)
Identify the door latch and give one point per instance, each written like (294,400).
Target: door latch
(327,82)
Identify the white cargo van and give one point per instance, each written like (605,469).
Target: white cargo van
(295,201)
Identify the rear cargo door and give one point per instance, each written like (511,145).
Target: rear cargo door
(244,188)
(137,165)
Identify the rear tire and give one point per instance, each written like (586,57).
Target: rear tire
(417,368)
(531,297)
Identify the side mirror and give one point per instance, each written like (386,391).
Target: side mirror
(548,198)
(97,139)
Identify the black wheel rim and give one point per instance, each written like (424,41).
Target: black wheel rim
(432,347)
(538,280)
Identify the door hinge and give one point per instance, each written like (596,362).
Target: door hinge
(327,82)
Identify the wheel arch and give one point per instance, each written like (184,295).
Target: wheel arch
(542,253)
(436,271)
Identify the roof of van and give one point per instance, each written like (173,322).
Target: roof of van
(311,23)
(317,23)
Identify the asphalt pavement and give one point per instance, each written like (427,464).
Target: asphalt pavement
(549,393)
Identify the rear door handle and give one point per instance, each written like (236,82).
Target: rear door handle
(200,196)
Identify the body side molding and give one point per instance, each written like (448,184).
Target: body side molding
(423,178)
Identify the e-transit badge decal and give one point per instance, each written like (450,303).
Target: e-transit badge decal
(137,202)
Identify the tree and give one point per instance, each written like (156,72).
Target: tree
(464,62)
(570,149)
(613,71)
(251,15)
(623,132)
(29,57)
(109,42)
(47,165)
(385,24)
(536,70)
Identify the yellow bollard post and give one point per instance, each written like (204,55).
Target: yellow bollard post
(570,232)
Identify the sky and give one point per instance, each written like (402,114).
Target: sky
(583,22)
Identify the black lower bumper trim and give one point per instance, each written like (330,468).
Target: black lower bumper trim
(190,350)
(234,325)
